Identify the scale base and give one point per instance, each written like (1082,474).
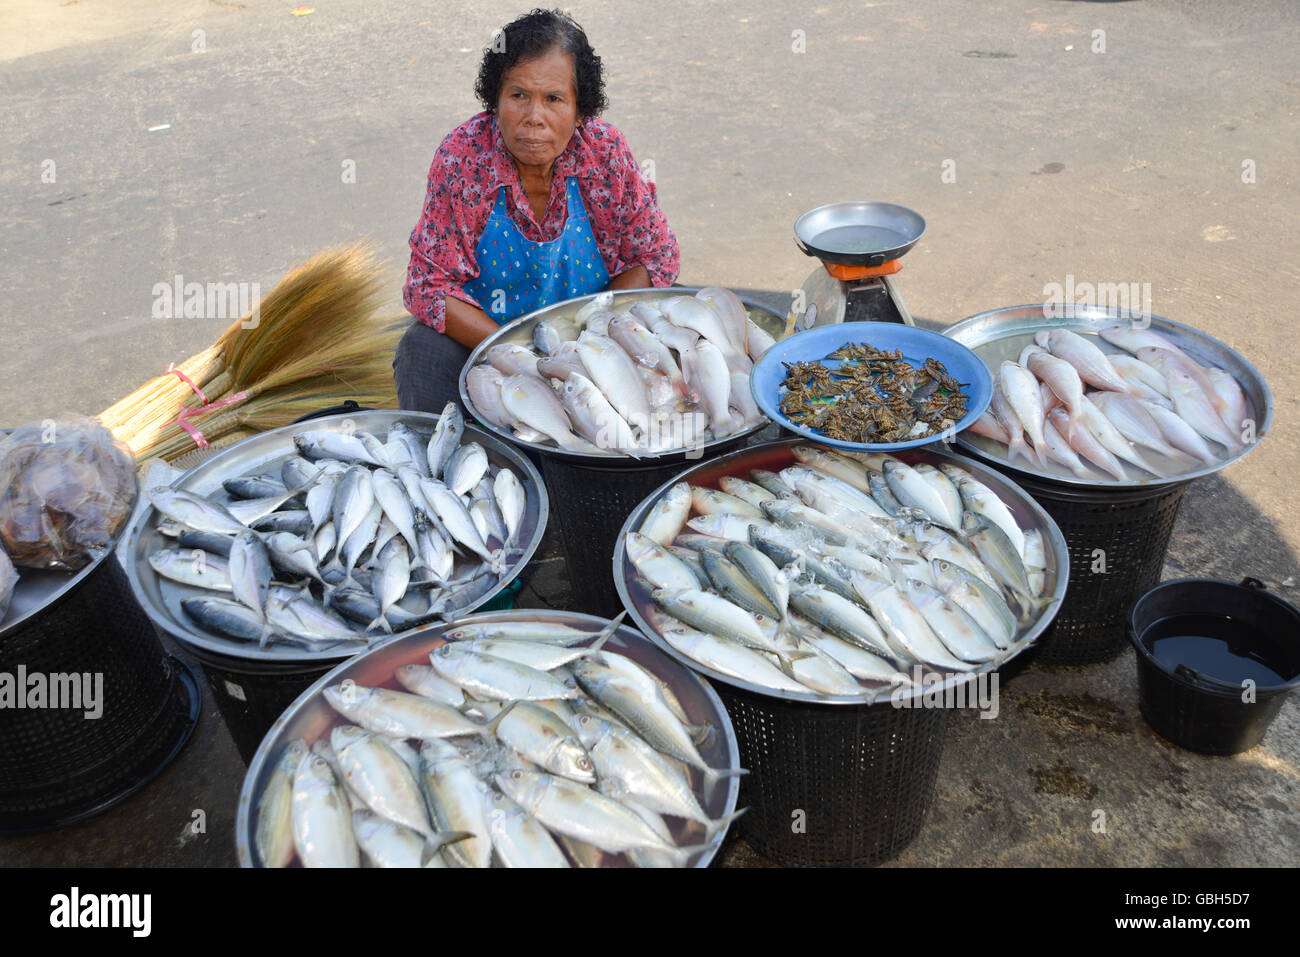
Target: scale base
(829,300)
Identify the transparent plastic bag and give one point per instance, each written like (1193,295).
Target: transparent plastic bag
(67,487)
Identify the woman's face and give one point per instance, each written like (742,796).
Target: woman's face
(538,108)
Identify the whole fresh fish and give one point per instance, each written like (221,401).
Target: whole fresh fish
(192,567)
(290,613)
(288,551)
(721,654)
(644,773)
(194,512)
(377,774)
(541,737)
(1133,421)
(846,619)
(511,500)
(390,584)
(397,713)
(999,555)
(979,498)
(913,491)
(1010,422)
(689,313)
(321,817)
(1087,445)
(354,497)
(456,796)
(546,338)
(1179,434)
(446,437)
(1232,401)
(513,360)
(946,490)
(577,811)
(424,681)
(316,444)
(751,492)
(595,419)
(905,629)
(856,660)
(985,605)
(735,320)
(710,378)
(641,706)
(659,566)
(759,341)
(392,497)
(1058,450)
(518,838)
(647,349)
(717,615)
(774,484)
(818,670)
(274,835)
(614,373)
(530,401)
(487,677)
(733,584)
(958,631)
(708,501)
(250,571)
(848,496)
(535,654)
(1198,411)
(227,617)
(1134,370)
(759,569)
(1089,361)
(835,465)
(1021,390)
(205,542)
(989,426)
(254,486)
(1062,379)
(386,843)
(663,523)
(465,468)
(483,383)
(1110,437)
(414,450)
(452,512)
(519,631)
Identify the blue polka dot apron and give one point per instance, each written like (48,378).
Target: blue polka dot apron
(517,276)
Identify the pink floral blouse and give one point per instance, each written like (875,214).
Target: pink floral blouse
(473,163)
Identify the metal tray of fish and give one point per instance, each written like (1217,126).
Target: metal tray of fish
(774,456)
(161,598)
(1000,334)
(564,316)
(311,717)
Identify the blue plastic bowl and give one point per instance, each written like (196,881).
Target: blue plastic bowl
(917,345)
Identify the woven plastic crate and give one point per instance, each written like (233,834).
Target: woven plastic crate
(58,766)
(833,785)
(1117,539)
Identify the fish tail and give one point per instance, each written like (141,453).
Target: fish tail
(714,826)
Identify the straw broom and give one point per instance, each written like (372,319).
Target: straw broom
(315,329)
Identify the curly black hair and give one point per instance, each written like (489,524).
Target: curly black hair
(533,35)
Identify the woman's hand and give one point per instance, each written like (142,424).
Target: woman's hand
(638,277)
(468,325)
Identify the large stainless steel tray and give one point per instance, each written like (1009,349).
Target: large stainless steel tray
(310,716)
(562,315)
(161,598)
(775,456)
(1000,334)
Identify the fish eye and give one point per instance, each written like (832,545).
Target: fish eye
(516,775)
(584,764)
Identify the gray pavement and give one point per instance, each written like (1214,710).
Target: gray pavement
(1129,164)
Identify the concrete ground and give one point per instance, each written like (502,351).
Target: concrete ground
(1148,142)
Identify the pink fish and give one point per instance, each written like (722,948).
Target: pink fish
(1086,444)
(1021,389)
(1089,361)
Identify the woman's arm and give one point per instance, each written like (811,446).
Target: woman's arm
(468,325)
(638,277)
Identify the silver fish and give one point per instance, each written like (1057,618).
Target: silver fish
(518,838)
(445,439)
(194,512)
(398,714)
(456,801)
(984,604)
(250,571)
(487,677)
(321,816)
(424,681)
(226,617)
(958,631)
(466,466)
(325,444)
(541,737)
(193,567)
(353,497)
(511,500)
(663,523)
(381,778)
(906,630)
(274,835)
(392,497)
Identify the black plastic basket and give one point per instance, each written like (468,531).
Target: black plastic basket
(1117,540)
(252,694)
(833,785)
(589,504)
(56,765)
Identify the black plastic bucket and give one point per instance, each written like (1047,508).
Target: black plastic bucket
(1197,710)
(1117,540)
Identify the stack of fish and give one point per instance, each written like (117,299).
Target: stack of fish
(1096,413)
(659,375)
(838,573)
(355,536)
(515,744)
